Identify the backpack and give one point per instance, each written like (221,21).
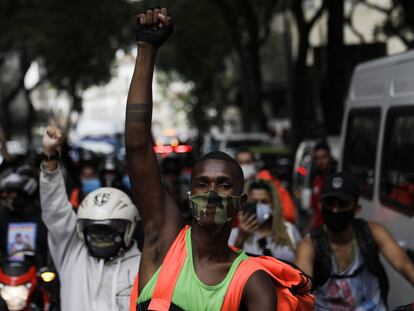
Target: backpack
(369,250)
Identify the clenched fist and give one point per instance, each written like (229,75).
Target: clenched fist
(154,27)
(52,140)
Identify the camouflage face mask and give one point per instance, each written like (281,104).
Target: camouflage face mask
(222,203)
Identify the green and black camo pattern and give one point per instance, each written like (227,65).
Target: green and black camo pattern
(222,203)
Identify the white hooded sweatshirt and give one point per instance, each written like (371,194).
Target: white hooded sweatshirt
(87,283)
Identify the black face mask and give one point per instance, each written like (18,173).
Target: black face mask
(337,222)
(103,241)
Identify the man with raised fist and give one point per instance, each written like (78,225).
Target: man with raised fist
(183,267)
(93,250)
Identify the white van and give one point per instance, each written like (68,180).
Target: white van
(378,147)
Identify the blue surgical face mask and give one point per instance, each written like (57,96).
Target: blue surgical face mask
(263,212)
(125,182)
(89,185)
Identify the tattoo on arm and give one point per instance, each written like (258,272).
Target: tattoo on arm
(139,113)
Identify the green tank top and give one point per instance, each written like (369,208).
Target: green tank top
(190,293)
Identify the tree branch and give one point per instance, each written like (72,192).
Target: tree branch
(318,14)
(297,11)
(231,21)
(376,7)
(349,22)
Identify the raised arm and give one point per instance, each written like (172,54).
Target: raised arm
(160,217)
(57,212)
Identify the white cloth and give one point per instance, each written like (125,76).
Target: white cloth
(359,293)
(87,284)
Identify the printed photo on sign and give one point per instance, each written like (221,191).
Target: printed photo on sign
(21,237)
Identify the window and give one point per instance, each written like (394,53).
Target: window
(397,173)
(361,147)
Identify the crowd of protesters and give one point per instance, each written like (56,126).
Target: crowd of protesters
(115,231)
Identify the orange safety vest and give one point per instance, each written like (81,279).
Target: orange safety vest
(286,202)
(292,286)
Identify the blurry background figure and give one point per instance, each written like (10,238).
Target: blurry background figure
(262,229)
(20,220)
(324,165)
(245,157)
(110,174)
(171,170)
(88,177)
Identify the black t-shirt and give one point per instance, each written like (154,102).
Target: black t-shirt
(23,231)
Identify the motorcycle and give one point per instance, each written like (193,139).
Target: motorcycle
(23,286)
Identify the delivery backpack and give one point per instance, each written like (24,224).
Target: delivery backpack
(369,250)
(292,285)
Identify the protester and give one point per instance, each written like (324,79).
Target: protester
(263,231)
(246,160)
(110,174)
(343,255)
(21,226)
(93,250)
(324,165)
(88,182)
(192,268)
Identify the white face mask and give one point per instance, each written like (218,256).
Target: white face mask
(249,170)
(263,212)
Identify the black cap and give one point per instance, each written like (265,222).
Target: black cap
(341,185)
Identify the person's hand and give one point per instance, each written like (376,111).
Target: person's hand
(247,225)
(52,140)
(154,27)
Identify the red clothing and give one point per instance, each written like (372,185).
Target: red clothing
(316,192)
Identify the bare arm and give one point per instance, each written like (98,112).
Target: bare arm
(160,216)
(305,256)
(260,292)
(394,254)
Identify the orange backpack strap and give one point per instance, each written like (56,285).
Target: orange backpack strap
(169,272)
(292,286)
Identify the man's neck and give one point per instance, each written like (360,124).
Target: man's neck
(343,237)
(210,246)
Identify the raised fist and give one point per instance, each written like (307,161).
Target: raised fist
(52,140)
(154,27)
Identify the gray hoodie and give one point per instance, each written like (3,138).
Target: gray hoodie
(87,283)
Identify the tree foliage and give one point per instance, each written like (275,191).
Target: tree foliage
(217,46)
(74,40)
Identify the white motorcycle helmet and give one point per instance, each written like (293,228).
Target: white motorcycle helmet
(109,207)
